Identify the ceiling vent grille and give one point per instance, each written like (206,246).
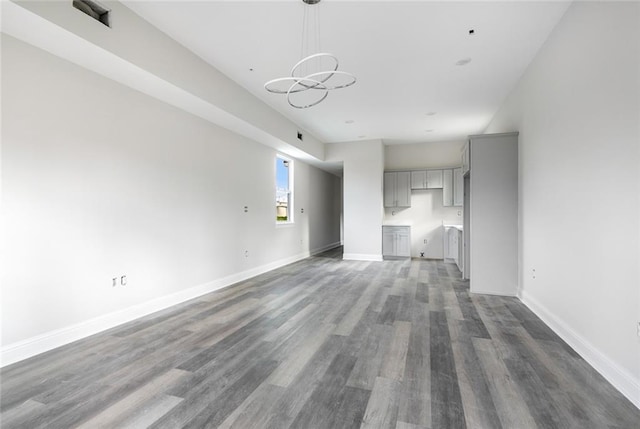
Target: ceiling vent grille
(95,10)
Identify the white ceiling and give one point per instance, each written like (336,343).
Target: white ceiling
(403,53)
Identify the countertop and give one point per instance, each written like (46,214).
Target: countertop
(458,227)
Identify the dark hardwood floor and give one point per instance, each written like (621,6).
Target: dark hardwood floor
(322,343)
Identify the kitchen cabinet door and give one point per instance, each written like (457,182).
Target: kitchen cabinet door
(452,246)
(403,243)
(434,179)
(458,187)
(419,179)
(447,189)
(397,189)
(390,180)
(396,241)
(388,242)
(460,258)
(403,189)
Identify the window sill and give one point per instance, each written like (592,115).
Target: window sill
(284,224)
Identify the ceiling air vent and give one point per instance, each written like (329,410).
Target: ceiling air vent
(95,10)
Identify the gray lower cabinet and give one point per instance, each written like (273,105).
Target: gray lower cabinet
(453,245)
(460,259)
(396,241)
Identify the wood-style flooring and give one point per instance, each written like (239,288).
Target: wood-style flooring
(321,343)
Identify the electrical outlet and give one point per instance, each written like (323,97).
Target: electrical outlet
(425,241)
(114,282)
(123,280)
(246,253)
(533,273)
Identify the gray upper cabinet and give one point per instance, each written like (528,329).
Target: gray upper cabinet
(390,180)
(426,179)
(452,191)
(397,189)
(403,189)
(419,179)
(458,187)
(447,190)
(434,179)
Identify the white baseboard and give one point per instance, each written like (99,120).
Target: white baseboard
(361,257)
(619,377)
(21,350)
(493,293)
(325,248)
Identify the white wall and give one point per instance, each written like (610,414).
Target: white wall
(142,57)
(363,166)
(578,112)
(423,155)
(426,214)
(426,217)
(100,181)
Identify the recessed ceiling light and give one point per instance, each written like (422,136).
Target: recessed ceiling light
(431,113)
(349,121)
(463,62)
(361,137)
(429,131)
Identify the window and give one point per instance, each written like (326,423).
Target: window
(284,190)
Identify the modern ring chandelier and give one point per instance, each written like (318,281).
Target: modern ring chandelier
(314,75)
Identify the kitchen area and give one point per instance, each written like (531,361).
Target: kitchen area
(423,214)
(465,213)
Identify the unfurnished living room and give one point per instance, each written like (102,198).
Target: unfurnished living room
(320,214)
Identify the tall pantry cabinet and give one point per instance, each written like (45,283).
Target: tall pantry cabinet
(490,168)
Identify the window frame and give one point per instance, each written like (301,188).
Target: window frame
(289,191)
